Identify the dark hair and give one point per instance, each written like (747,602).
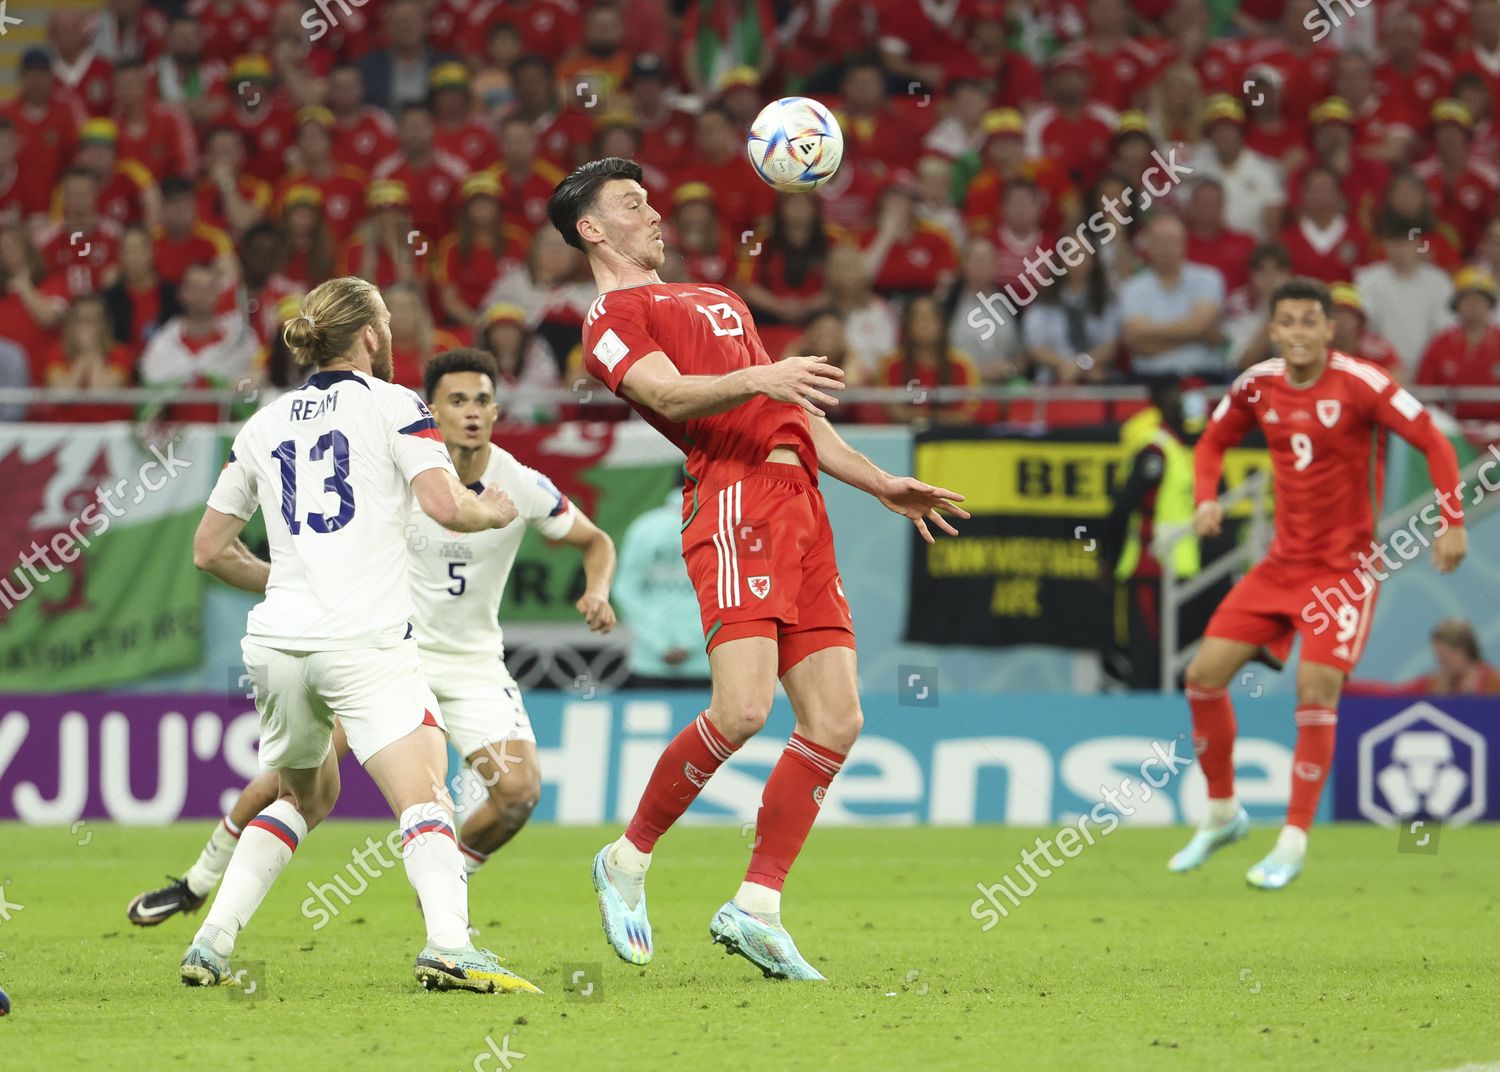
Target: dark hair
(414,106)
(261,229)
(800,260)
(531,59)
(176,186)
(464,359)
(1303,289)
(575,195)
(76,172)
(1457,633)
(1274,252)
(129,63)
(908,350)
(1320,169)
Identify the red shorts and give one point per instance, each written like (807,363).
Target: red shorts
(760,555)
(1329,609)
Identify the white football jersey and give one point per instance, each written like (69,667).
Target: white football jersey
(330,467)
(459,577)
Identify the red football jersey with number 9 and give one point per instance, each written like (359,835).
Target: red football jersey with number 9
(704,331)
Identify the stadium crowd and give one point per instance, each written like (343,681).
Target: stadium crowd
(173,178)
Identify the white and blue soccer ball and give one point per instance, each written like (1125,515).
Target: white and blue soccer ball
(795,144)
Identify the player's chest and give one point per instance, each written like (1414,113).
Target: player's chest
(1304,429)
(701,320)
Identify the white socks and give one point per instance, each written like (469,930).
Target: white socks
(1291,843)
(435,869)
(627,867)
(473,858)
(265,847)
(1220,812)
(760,901)
(204,875)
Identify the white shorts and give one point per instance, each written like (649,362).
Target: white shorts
(481,702)
(379,694)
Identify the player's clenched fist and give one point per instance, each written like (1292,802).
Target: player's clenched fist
(1208,519)
(1448,550)
(801,380)
(499,502)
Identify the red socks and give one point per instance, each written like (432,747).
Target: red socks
(1213,738)
(1313,755)
(680,774)
(792,797)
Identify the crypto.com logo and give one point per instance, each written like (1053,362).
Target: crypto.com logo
(1422,762)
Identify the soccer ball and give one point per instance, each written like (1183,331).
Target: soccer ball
(795,144)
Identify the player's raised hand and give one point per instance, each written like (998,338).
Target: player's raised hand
(597,612)
(1208,519)
(499,502)
(1448,550)
(802,380)
(921,502)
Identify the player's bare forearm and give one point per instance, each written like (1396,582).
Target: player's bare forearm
(686,398)
(238,566)
(598,571)
(458,509)
(842,462)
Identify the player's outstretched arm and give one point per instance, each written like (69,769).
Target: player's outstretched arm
(217,550)
(598,571)
(904,495)
(1404,415)
(458,509)
(655,383)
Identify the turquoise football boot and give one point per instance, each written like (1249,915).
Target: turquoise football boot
(1206,842)
(766,945)
(627,929)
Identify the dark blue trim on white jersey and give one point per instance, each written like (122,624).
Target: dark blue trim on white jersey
(324,380)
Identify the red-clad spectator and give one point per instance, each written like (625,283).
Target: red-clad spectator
(780,271)
(10,174)
(264,288)
(877,137)
(740,95)
(88,357)
(1464,192)
(184,240)
(563,132)
(448,26)
(182,76)
(548,27)
(666,131)
(494,95)
(522,357)
(1020,236)
(127,191)
(386,248)
(1362,179)
(1005,160)
(1121,66)
(617,136)
(1484,139)
(1409,204)
(1467,354)
(1270,130)
(924,361)
(718,158)
(299,64)
(1410,75)
(525,181)
(81,244)
(231,28)
(460,133)
(265,118)
(818,36)
(1385,128)
(396,74)
(1017,82)
(201,347)
(706,247)
(474,256)
(229,198)
(306,238)
(46,125)
(918,40)
(342,187)
(1218,61)
(431,177)
(1070,128)
(1487,251)
(1351,335)
(718,37)
(363,135)
(1445,23)
(1210,242)
(1325,241)
(76,63)
(961,131)
(548,288)
(1304,64)
(1482,56)
(1130,149)
(140,301)
(1174,105)
(128,30)
(33,303)
(826,334)
(598,62)
(156,134)
(903,253)
(414,338)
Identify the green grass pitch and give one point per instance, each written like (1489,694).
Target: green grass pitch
(1374,959)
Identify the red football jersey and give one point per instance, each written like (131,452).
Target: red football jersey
(704,331)
(1327,453)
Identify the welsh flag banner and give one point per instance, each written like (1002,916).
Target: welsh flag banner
(97,583)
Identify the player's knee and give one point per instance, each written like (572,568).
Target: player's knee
(518,792)
(741,719)
(1205,674)
(316,805)
(1318,690)
(842,728)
